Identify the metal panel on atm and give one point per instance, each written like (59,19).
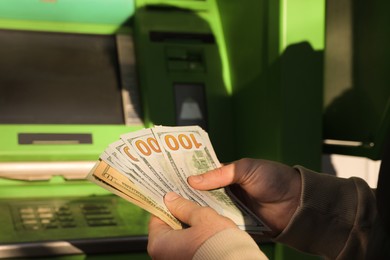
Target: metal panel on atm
(180,63)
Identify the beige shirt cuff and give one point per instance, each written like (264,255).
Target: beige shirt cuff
(230,244)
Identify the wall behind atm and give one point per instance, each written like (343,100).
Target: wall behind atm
(275,51)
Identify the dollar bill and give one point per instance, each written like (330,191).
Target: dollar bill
(143,166)
(189,151)
(131,161)
(109,157)
(147,149)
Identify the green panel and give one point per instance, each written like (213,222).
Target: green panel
(93,16)
(276,78)
(62,27)
(284,252)
(102,135)
(57,186)
(302,21)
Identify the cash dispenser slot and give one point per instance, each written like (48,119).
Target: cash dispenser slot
(50,138)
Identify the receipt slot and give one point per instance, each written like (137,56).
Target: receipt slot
(190,105)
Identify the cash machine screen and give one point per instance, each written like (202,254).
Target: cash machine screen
(57,78)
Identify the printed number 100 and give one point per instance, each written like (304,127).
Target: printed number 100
(182,140)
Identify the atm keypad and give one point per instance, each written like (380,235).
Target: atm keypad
(66,216)
(45,217)
(98,215)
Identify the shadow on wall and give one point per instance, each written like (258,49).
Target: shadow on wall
(284,107)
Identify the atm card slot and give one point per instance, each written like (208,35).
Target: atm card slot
(156,36)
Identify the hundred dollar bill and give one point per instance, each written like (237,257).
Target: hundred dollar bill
(189,151)
(148,148)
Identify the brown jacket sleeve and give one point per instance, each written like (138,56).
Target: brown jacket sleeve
(334,218)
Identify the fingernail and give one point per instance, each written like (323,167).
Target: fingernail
(170,196)
(196,178)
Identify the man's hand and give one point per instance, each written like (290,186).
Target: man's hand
(204,222)
(270,189)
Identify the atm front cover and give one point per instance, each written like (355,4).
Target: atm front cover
(61,103)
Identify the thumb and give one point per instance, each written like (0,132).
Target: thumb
(214,179)
(193,214)
(181,208)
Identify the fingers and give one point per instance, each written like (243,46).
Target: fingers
(157,226)
(187,211)
(216,178)
(204,222)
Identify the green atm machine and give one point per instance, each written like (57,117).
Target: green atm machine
(75,75)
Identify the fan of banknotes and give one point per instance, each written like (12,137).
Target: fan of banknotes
(144,165)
